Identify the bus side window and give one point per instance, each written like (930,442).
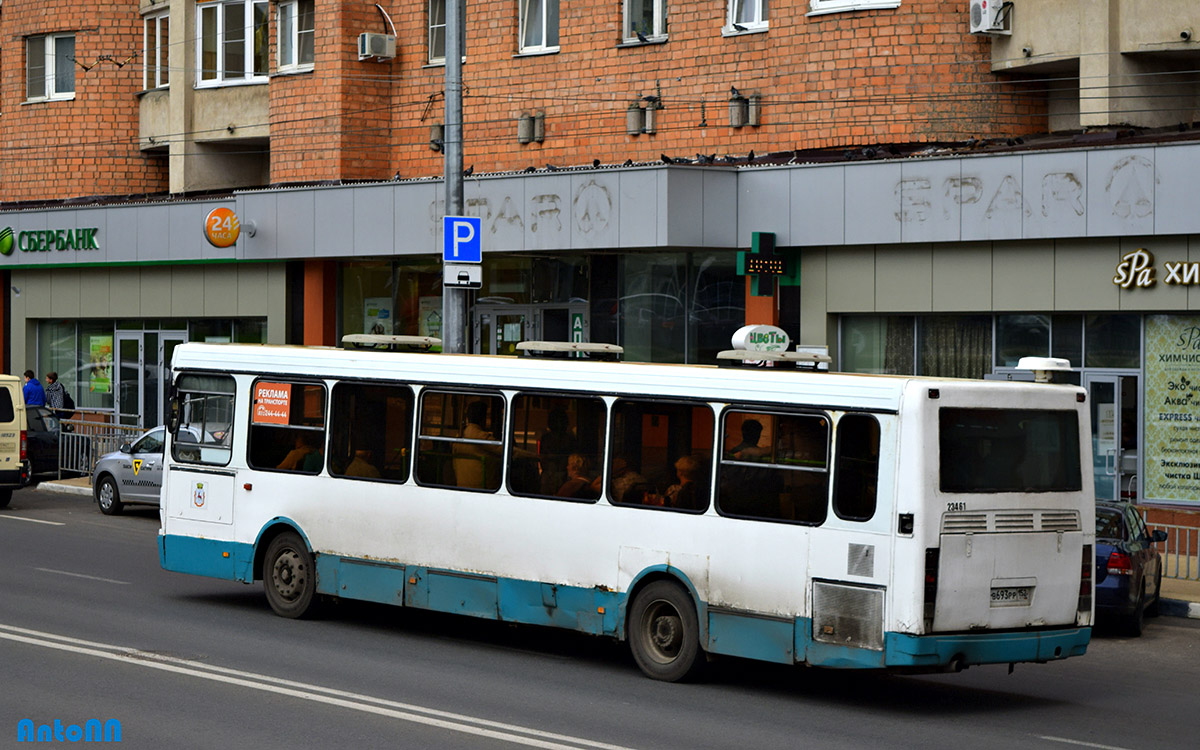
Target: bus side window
(856,473)
(204,431)
(557,443)
(371,428)
(287,427)
(774,467)
(459,440)
(661,455)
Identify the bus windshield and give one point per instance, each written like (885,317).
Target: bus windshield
(1009,450)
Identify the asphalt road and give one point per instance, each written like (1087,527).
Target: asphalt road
(92,628)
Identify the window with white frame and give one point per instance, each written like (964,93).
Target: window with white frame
(645,18)
(296,31)
(156,51)
(50,67)
(746,15)
(817,7)
(539,25)
(232,44)
(437,31)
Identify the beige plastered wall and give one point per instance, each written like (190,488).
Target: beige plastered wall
(213,290)
(1074,275)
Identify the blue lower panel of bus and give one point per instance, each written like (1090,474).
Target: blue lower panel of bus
(986,648)
(206,557)
(599,612)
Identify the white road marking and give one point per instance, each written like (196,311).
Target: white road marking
(81,575)
(1081,743)
(403,711)
(31,520)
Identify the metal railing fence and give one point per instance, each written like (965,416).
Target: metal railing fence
(1181,551)
(82,441)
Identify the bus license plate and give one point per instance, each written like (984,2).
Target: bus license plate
(1012,596)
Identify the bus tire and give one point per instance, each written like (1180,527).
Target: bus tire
(108,497)
(664,635)
(290,577)
(5,498)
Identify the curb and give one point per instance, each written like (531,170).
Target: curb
(64,489)
(1179,608)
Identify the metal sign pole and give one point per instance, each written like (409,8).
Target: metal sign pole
(454,300)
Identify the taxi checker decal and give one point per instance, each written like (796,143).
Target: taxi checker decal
(198,495)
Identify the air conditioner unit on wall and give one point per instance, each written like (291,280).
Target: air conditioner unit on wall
(378,46)
(990,17)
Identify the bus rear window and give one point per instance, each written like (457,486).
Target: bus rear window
(1008,450)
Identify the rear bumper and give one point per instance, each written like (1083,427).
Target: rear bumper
(966,649)
(15,478)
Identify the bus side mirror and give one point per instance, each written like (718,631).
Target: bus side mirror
(173,415)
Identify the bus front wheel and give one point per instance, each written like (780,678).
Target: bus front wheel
(289,576)
(663,632)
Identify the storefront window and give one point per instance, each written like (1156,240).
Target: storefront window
(253,331)
(94,365)
(56,352)
(1021,336)
(958,346)
(395,298)
(880,344)
(1066,338)
(1112,341)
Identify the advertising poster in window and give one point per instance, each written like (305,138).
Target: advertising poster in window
(272,403)
(377,315)
(1172,445)
(429,318)
(101,360)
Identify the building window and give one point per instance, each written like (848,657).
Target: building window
(296,30)
(437,31)
(819,7)
(156,51)
(50,67)
(747,15)
(232,46)
(647,18)
(539,25)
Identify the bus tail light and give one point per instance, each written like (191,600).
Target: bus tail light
(1085,580)
(24,446)
(1119,564)
(931,573)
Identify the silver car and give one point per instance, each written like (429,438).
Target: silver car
(131,474)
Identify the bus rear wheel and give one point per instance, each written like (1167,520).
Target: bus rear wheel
(663,632)
(289,577)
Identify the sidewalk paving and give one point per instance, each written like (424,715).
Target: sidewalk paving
(1180,598)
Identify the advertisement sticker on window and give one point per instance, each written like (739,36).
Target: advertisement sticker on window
(272,403)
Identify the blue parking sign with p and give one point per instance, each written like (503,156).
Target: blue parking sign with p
(462,239)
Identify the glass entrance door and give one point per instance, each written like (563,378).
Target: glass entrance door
(1114,406)
(499,327)
(127,375)
(143,374)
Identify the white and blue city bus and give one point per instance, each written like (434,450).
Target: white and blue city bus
(835,520)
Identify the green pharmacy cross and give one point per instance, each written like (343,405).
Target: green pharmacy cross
(764,263)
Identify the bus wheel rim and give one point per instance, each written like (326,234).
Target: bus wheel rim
(663,632)
(287,574)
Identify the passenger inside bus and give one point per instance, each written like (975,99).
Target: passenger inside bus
(686,494)
(578,484)
(362,465)
(749,449)
(555,447)
(305,456)
(628,486)
(476,465)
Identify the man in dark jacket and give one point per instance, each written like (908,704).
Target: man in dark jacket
(34,393)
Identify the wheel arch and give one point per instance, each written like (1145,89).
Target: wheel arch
(98,481)
(270,530)
(662,573)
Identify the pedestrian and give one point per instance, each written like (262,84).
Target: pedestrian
(54,391)
(35,395)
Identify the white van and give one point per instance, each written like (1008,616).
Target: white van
(14,461)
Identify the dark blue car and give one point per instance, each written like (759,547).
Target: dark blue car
(1128,567)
